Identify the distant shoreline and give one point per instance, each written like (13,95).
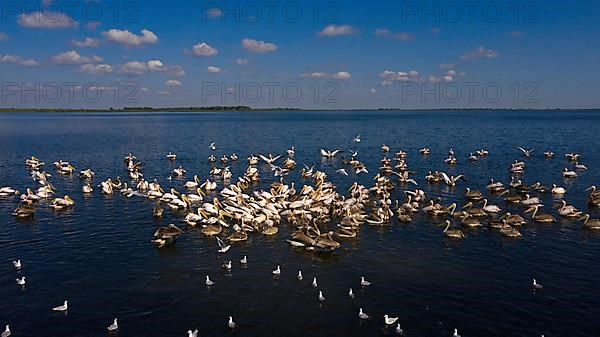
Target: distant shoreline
(249,109)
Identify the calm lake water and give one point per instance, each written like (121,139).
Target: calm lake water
(99,256)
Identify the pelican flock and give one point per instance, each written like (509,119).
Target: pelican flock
(313,214)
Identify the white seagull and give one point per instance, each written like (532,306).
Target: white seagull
(526,153)
(113,327)
(300,277)
(244,260)
(342,171)
(314,282)
(277,271)
(351,293)
(193,333)
(362,315)
(364,282)
(223,248)
(208,281)
(357,139)
(390,320)
(17,264)
(321,297)
(231,323)
(537,285)
(63,307)
(6,331)
(21,281)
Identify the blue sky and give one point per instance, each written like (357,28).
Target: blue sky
(307,54)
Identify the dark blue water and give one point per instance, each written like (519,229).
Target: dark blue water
(98,255)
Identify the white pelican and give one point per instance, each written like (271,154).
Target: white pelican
(192,184)
(252,160)
(579,166)
(208,281)
(291,151)
(362,315)
(321,297)
(113,327)
(63,307)
(17,264)
(526,153)
(558,190)
(21,281)
(549,154)
(329,153)
(569,174)
(86,174)
(389,320)
(171,156)
(277,271)
(6,191)
(60,203)
(87,188)
(364,282)
(490,208)
(209,186)
(231,323)
(234,157)
(179,172)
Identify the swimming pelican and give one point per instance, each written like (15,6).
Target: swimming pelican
(508,230)
(579,166)
(385,148)
(549,154)
(17,264)
(231,323)
(544,218)
(113,327)
(208,281)
(537,285)
(321,297)
(362,315)
(453,233)
(63,307)
(329,153)
(569,174)
(270,159)
(179,172)
(526,153)
(277,271)
(490,208)
(299,276)
(590,223)
(364,282)
(558,190)
(530,201)
(568,211)
(171,156)
(291,151)
(6,332)
(192,184)
(389,320)
(425,151)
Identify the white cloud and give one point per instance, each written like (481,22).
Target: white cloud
(73,57)
(447,65)
(3,36)
(48,20)
(337,30)
(401,36)
(213,69)
(255,46)
(340,75)
(373,90)
(241,61)
(129,39)
(135,68)
(480,52)
(96,69)
(214,13)
(87,43)
(389,77)
(173,83)
(18,60)
(204,49)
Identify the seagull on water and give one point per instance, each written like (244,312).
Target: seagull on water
(277,271)
(351,293)
(113,327)
(537,285)
(231,323)
(399,330)
(6,331)
(390,320)
(244,260)
(364,282)
(212,146)
(314,282)
(226,265)
(362,315)
(63,307)
(21,281)
(357,139)
(321,297)
(223,248)
(17,264)
(455,333)
(193,333)
(208,281)
(300,277)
